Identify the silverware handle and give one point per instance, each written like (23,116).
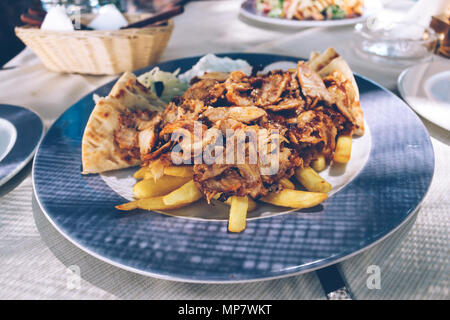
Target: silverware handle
(340,294)
(166,14)
(333,283)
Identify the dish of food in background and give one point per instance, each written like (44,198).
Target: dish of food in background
(380,197)
(426,88)
(310,9)
(21,130)
(309,13)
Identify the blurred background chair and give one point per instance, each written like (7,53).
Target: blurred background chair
(10,12)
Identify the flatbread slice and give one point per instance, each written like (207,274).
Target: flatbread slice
(330,62)
(99,151)
(317,61)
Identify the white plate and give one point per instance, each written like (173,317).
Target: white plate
(371,8)
(426,88)
(21,131)
(8,136)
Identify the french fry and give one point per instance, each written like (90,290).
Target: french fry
(179,171)
(252,205)
(319,164)
(287,184)
(311,180)
(238,214)
(128,206)
(343,149)
(295,198)
(148,188)
(140,174)
(155,203)
(185,194)
(148,175)
(156,169)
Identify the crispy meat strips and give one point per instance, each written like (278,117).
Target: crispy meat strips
(301,112)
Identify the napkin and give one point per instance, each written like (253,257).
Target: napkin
(423,10)
(57,20)
(411,24)
(108,18)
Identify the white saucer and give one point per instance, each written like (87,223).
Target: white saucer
(21,131)
(426,88)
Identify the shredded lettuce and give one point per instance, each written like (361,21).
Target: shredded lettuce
(164,84)
(273,8)
(335,12)
(167,85)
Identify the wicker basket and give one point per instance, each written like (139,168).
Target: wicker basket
(98,52)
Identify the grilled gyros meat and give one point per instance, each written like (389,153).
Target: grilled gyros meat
(297,109)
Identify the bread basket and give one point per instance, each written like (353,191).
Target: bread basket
(98,52)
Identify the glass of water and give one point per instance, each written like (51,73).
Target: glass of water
(395,43)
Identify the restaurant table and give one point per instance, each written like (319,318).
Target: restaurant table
(36,262)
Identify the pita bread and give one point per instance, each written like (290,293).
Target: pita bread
(326,64)
(99,151)
(317,61)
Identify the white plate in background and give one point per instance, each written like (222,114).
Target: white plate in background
(426,88)
(21,131)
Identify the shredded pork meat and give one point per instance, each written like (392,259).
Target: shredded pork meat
(296,108)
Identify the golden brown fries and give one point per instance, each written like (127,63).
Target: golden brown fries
(179,171)
(287,184)
(185,194)
(295,198)
(311,180)
(175,171)
(319,164)
(149,175)
(343,149)
(148,188)
(238,214)
(140,174)
(128,206)
(155,203)
(176,189)
(252,205)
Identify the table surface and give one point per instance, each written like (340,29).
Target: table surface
(37,262)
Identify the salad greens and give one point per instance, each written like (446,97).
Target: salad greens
(273,8)
(335,12)
(165,85)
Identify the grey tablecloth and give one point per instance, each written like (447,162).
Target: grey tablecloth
(36,261)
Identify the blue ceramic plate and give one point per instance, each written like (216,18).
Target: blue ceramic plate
(379,189)
(21,130)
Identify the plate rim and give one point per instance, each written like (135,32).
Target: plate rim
(30,153)
(196,281)
(317,264)
(401,90)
